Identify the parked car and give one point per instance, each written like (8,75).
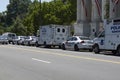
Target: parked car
(33,41)
(21,41)
(0,39)
(30,40)
(78,42)
(3,40)
(18,40)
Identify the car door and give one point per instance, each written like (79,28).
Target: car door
(101,40)
(71,42)
(68,42)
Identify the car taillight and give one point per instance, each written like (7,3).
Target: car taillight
(82,42)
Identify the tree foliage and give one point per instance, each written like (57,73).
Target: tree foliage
(18,27)
(54,12)
(25,16)
(17,8)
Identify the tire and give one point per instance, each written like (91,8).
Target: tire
(36,44)
(114,52)
(6,43)
(76,48)
(9,42)
(90,50)
(13,43)
(118,50)
(47,46)
(96,49)
(17,43)
(63,47)
(59,47)
(29,44)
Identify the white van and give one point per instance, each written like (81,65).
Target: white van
(109,38)
(53,35)
(9,36)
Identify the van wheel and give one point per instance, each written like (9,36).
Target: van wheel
(76,48)
(13,43)
(118,50)
(96,49)
(90,50)
(59,47)
(9,42)
(47,46)
(114,52)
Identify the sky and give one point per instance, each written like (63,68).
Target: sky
(4,3)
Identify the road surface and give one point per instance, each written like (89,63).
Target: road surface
(31,63)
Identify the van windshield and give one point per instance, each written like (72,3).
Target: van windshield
(102,34)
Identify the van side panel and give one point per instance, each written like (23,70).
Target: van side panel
(53,34)
(112,36)
(46,34)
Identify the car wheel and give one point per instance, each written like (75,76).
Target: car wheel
(6,42)
(90,50)
(17,43)
(36,44)
(96,49)
(76,48)
(13,43)
(63,47)
(29,44)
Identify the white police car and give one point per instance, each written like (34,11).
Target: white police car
(77,42)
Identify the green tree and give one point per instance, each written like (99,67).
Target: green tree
(53,12)
(18,27)
(17,8)
(32,20)
(58,12)
(3,19)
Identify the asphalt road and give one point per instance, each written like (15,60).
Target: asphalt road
(30,63)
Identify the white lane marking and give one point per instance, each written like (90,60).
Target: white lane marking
(40,60)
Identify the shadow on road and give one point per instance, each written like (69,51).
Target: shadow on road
(109,53)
